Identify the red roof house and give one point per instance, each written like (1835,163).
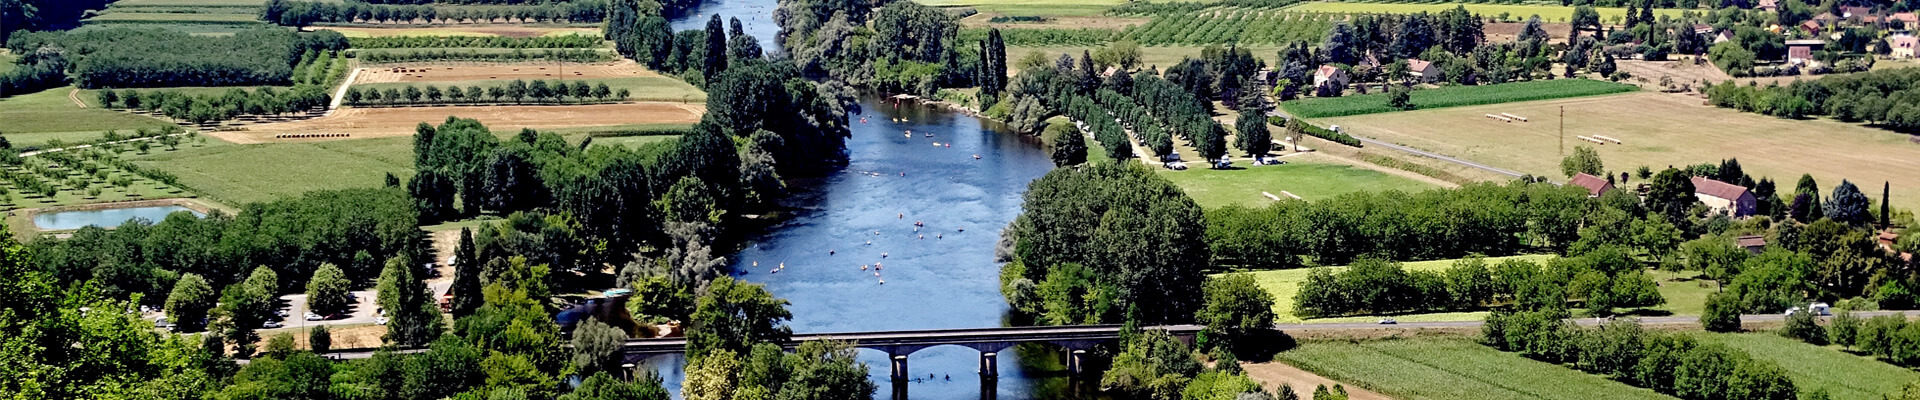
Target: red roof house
(1595,185)
(1733,200)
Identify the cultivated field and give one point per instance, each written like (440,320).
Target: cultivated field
(388,122)
(239,174)
(189,3)
(428,72)
(1844,376)
(985,20)
(1658,130)
(1311,177)
(1453,96)
(1546,13)
(1160,56)
(1023,7)
(476,30)
(35,118)
(1273,374)
(1451,368)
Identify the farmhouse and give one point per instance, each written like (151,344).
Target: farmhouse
(1730,199)
(1329,79)
(1595,185)
(1769,5)
(1902,45)
(1907,20)
(1811,26)
(1422,70)
(1753,243)
(1800,55)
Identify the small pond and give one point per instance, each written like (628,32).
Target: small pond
(65,220)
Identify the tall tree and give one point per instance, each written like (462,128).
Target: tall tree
(1583,160)
(413,318)
(716,61)
(466,287)
(1848,205)
(1671,194)
(1069,145)
(189,302)
(327,292)
(1252,135)
(732,316)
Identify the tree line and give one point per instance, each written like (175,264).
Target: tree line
(569,41)
(1485,219)
(1600,281)
(302,13)
(43,15)
(898,46)
(1301,127)
(201,109)
(1878,97)
(127,57)
(518,91)
(517,55)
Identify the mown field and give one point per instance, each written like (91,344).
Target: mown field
(1283,284)
(1449,369)
(1546,13)
(1843,376)
(239,174)
(651,88)
(35,118)
(1454,96)
(1304,176)
(632,142)
(1657,130)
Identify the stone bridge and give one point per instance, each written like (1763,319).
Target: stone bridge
(1076,339)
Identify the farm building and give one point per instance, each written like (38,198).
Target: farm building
(1595,185)
(1769,5)
(1422,70)
(1800,55)
(1902,45)
(1811,26)
(1702,29)
(1753,243)
(1329,79)
(1733,200)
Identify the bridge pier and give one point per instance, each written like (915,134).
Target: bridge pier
(989,365)
(1076,361)
(900,369)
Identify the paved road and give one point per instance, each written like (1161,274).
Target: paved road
(1682,319)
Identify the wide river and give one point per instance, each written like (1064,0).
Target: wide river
(910,163)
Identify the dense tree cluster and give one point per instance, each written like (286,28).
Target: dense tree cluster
(1882,98)
(515,92)
(301,13)
(43,15)
(1672,363)
(1107,128)
(1889,337)
(235,102)
(1476,219)
(126,57)
(41,69)
(1314,131)
(517,55)
(894,46)
(1097,240)
(355,230)
(570,41)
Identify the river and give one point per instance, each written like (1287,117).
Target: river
(909,163)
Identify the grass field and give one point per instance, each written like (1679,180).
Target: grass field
(632,142)
(33,119)
(651,88)
(1454,96)
(1302,176)
(189,3)
(1546,13)
(1658,130)
(1283,284)
(1844,376)
(1451,368)
(239,174)
(1686,291)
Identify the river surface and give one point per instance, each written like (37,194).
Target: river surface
(939,274)
(65,220)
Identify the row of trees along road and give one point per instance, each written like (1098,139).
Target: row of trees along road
(517,92)
(301,13)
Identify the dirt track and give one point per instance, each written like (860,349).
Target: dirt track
(360,123)
(1272,374)
(430,72)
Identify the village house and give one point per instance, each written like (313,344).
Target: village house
(1800,55)
(1595,185)
(1702,29)
(1769,5)
(1855,12)
(1753,243)
(1329,79)
(1902,45)
(1726,198)
(1422,71)
(1906,21)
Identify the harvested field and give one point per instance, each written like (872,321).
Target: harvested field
(428,72)
(476,30)
(360,123)
(1451,368)
(1273,374)
(1658,130)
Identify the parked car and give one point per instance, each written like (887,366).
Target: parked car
(162,324)
(270,325)
(1388,321)
(380,321)
(1176,165)
(314,317)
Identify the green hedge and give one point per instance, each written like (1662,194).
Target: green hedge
(1319,132)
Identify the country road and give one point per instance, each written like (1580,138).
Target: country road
(1488,168)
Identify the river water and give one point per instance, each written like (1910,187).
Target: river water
(924,196)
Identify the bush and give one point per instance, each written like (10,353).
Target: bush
(1801,326)
(1722,313)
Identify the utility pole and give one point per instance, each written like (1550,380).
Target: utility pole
(1563,130)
